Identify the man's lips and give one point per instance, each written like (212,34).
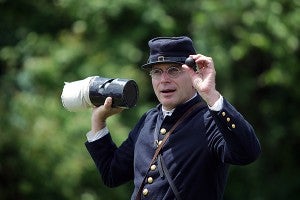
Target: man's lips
(167,91)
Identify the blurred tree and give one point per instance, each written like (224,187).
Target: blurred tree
(255,46)
(256,49)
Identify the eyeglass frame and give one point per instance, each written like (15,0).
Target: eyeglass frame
(158,76)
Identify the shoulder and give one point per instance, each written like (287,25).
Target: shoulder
(151,113)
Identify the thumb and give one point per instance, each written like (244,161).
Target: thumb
(107,103)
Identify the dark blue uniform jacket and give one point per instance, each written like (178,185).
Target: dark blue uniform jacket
(197,154)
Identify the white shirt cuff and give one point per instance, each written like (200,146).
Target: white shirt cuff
(91,137)
(218,104)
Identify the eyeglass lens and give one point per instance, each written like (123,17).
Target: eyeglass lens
(172,72)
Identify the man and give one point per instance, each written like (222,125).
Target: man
(193,161)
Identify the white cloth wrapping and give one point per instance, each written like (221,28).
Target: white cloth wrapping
(75,95)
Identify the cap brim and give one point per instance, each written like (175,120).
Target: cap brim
(150,65)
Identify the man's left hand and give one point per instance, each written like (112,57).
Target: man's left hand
(204,78)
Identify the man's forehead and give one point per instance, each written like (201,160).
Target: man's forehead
(165,65)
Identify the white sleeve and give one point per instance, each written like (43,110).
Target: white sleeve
(91,137)
(218,104)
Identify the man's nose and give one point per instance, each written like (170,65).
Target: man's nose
(165,76)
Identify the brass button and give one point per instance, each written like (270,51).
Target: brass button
(233,125)
(228,119)
(145,192)
(159,142)
(163,131)
(223,114)
(153,167)
(150,180)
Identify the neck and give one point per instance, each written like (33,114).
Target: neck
(172,108)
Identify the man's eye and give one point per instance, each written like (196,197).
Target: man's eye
(156,71)
(173,70)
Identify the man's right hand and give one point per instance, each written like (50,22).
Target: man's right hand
(101,113)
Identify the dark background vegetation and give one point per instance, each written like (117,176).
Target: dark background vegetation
(255,46)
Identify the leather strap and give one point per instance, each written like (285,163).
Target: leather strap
(138,196)
(169,178)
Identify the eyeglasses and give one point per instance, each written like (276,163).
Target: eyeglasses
(173,72)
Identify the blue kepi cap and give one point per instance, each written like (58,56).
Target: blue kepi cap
(169,50)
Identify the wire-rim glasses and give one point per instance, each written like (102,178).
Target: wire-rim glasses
(172,72)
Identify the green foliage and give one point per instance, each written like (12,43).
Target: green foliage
(255,46)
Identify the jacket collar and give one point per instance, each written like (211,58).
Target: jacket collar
(180,109)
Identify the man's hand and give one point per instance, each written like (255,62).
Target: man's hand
(204,79)
(101,113)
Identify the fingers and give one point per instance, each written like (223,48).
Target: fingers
(109,108)
(101,113)
(187,68)
(108,103)
(105,109)
(203,61)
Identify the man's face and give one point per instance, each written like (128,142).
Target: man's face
(172,86)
